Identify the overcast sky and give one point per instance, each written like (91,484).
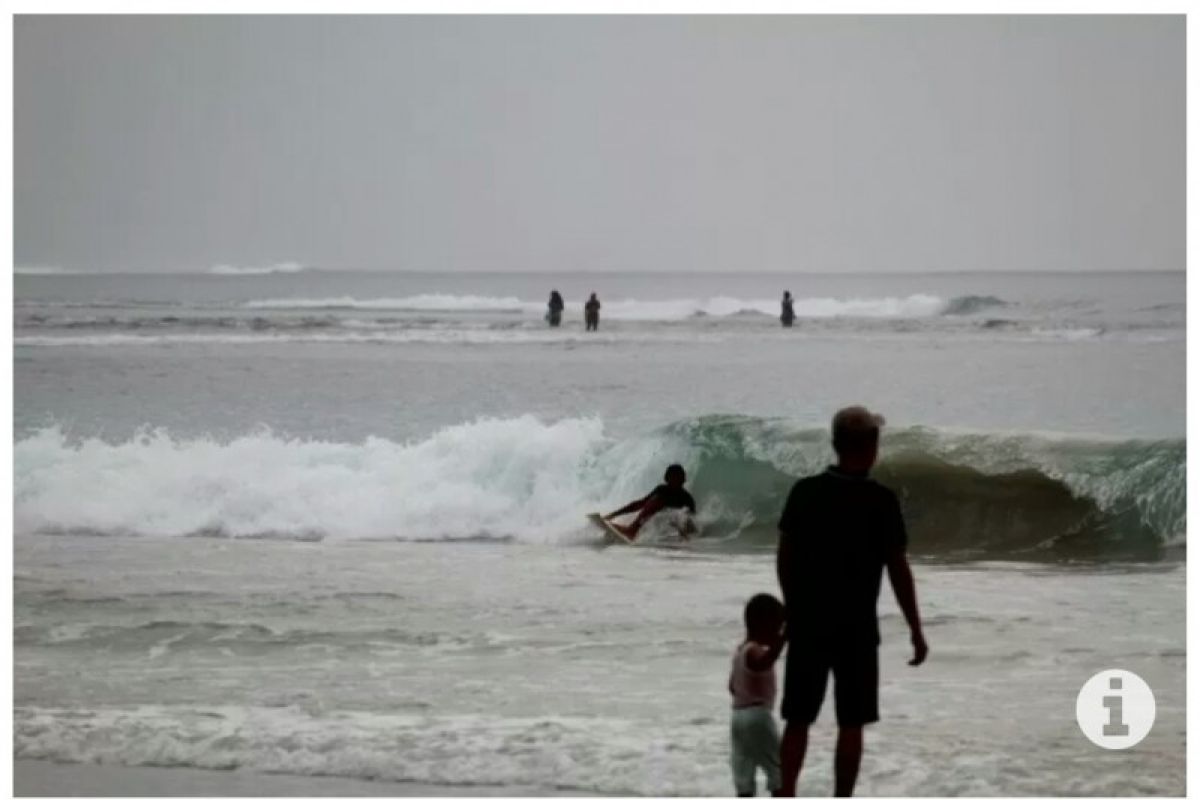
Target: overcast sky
(592,143)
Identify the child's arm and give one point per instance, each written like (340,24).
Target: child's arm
(761,659)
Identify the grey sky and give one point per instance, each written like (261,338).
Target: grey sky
(572,143)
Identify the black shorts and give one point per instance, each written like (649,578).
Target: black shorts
(855,684)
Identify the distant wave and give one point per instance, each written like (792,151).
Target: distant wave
(313,334)
(33,269)
(286,267)
(971,303)
(420,302)
(966,495)
(168,322)
(917,305)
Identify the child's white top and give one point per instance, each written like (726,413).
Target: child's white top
(751,687)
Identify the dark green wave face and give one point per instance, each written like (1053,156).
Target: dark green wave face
(964,495)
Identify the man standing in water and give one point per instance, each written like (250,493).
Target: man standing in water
(838,531)
(554,309)
(591,313)
(786,313)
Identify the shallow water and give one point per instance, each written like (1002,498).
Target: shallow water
(598,669)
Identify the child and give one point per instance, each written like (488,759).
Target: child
(755,738)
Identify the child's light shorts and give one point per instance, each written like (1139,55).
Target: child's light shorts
(755,741)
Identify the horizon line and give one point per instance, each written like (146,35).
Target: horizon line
(44,272)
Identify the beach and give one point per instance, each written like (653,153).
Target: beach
(308,534)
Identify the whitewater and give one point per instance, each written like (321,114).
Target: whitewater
(313,523)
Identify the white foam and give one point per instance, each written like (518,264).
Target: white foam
(420,302)
(460,749)
(368,333)
(286,267)
(36,269)
(505,479)
(1067,334)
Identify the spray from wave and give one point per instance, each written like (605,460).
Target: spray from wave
(966,495)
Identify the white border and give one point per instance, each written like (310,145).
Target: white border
(579,7)
(1193,480)
(788,7)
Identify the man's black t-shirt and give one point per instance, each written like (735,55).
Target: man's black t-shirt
(836,533)
(673,498)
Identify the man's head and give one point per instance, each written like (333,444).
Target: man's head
(856,438)
(674,476)
(764,618)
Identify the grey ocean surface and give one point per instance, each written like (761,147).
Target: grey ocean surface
(323,523)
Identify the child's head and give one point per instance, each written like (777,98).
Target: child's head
(764,617)
(675,476)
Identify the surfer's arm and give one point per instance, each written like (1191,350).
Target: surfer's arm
(636,505)
(785,549)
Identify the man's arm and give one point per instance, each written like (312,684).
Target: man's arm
(636,505)
(900,575)
(782,559)
(783,552)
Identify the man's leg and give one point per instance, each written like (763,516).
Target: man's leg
(856,693)
(846,761)
(792,749)
(651,508)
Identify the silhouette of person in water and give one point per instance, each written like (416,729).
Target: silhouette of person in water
(787,315)
(838,531)
(668,494)
(555,309)
(591,313)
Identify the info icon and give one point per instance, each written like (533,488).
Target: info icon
(1115,709)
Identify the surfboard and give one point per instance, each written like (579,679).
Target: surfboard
(611,533)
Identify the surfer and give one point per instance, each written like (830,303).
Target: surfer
(668,494)
(787,314)
(591,313)
(838,531)
(555,309)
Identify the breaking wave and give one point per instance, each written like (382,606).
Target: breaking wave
(965,495)
(971,303)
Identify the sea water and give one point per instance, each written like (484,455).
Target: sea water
(332,523)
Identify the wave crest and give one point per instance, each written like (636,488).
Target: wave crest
(966,495)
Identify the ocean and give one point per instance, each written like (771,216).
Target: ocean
(326,523)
